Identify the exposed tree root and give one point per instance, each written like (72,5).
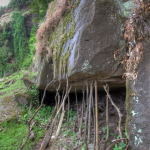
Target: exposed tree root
(106,88)
(87,123)
(32,117)
(48,135)
(96,117)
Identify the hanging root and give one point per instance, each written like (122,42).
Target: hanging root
(86,115)
(82,114)
(48,135)
(96,118)
(90,111)
(85,124)
(106,88)
(32,117)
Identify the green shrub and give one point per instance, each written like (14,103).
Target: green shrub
(13,132)
(39,8)
(32,40)
(6,52)
(18,4)
(20,44)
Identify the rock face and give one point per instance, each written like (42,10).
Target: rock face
(28,16)
(88,53)
(138,104)
(8,108)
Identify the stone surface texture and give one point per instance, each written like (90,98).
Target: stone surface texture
(138,104)
(97,35)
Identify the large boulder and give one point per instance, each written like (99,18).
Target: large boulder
(84,47)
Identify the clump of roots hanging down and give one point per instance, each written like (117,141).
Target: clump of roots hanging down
(137,30)
(82,124)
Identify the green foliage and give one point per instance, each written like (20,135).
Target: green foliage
(14,85)
(34,93)
(41,118)
(14,131)
(16,49)
(39,8)
(32,41)
(18,4)
(23,47)
(6,52)
(12,135)
(20,44)
(121,145)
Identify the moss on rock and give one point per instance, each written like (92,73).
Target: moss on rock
(58,43)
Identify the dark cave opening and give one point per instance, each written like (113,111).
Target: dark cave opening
(118,96)
(50,99)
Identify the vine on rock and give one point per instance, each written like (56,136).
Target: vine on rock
(136,31)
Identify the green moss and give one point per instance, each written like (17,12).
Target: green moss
(12,85)
(13,132)
(11,135)
(59,37)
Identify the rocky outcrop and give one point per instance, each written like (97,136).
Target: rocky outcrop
(8,108)
(138,104)
(83,48)
(138,89)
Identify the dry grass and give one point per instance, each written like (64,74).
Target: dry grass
(48,26)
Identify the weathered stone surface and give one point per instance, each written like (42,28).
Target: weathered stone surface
(98,34)
(22,99)
(138,105)
(8,108)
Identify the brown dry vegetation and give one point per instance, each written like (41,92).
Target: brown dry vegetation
(45,29)
(136,31)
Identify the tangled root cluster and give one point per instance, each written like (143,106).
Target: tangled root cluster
(45,29)
(137,30)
